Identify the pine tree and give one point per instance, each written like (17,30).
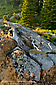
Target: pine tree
(53,16)
(28,13)
(48,15)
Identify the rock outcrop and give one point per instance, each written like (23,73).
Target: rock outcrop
(28,53)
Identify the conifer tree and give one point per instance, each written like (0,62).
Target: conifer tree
(48,15)
(28,13)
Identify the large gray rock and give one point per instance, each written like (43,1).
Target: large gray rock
(39,52)
(53,57)
(46,62)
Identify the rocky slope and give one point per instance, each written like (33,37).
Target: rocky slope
(26,57)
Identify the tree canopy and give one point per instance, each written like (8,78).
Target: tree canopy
(28,13)
(48,15)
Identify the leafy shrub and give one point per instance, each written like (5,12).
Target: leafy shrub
(17,17)
(5,17)
(14,20)
(14,14)
(28,13)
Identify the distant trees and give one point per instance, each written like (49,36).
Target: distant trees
(11,2)
(48,15)
(39,5)
(28,13)
(42,12)
(15,2)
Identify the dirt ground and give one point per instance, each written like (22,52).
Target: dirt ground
(48,77)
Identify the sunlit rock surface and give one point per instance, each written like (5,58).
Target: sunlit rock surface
(46,61)
(25,64)
(53,57)
(39,50)
(30,52)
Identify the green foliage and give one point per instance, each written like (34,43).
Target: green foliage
(5,17)
(45,30)
(48,37)
(28,13)
(8,10)
(15,19)
(48,15)
(11,2)
(45,33)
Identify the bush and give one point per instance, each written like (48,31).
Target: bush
(14,14)
(5,17)
(17,17)
(14,20)
(28,13)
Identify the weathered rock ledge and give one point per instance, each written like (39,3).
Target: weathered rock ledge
(25,56)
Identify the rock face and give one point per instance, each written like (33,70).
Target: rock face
(26,36)
(30,57)
(23,64)
(35,48)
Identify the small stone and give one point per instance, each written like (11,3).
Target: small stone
(13,56)
(7,62)
(2,44)
(24,80)
(10,64)
(18,75)
(31,75)
(21,77)
(44,74)
(39,73)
